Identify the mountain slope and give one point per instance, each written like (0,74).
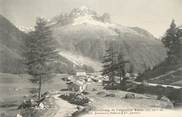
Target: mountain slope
(88,34)
(10,47)
(81,61)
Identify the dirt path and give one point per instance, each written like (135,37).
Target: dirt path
(60,108)
(155,84)
(166,74)
(65,109)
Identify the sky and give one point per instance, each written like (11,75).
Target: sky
(152,15)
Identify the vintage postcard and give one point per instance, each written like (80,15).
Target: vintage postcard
(90,58)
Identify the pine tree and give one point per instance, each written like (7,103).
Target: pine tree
(171,41)
(121,68)
(40,52)
(109,66)
(179,34)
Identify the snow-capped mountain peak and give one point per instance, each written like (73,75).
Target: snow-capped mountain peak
(25,29)
(87,19)
(81,15)
(84,15)
(82,11)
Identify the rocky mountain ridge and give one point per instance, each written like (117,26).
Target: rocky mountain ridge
(89,34)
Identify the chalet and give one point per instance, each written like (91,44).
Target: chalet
(77,86)
(81,73)
(131,76)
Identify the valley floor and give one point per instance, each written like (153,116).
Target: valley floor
(103,105)
(101,102)
(111,106)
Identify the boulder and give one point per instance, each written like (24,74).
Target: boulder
(110,95)
(101,93)
(166,102)
(129,96)
(164,98)
(41,106)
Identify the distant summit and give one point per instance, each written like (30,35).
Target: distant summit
(77,14)
(85,33)
(82,11)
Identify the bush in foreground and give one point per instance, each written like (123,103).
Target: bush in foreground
(75,98)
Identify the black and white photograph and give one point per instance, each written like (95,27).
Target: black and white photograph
(90,58)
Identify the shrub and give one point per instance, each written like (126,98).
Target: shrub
(75,98)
